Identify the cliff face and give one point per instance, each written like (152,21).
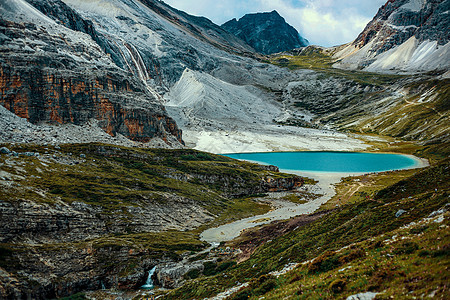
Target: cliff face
(405,35)
(91,214)
(266,32)
(51,75)
(397,21)
(156,42)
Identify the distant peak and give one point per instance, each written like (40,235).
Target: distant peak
(266,32)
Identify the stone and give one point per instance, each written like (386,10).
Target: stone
(399,213)
(5,150)
(363,296)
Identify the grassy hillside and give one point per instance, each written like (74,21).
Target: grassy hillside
(423,113)
(318,60)
(360,246)
(112,176)
(411,107)
(78,216)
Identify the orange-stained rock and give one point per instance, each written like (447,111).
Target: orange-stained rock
(50,89)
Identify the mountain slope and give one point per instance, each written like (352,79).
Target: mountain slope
(145,42)
(54,75)
(405,35)
(158,42)
(80,216)
(266,32)
(220,117)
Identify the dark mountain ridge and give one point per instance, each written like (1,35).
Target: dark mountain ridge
(266,32)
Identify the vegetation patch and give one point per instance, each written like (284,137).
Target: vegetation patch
(362,244)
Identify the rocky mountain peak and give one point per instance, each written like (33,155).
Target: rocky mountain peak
(266,32)
(398,20)
(406,35)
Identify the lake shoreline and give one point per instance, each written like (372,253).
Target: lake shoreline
(326,182)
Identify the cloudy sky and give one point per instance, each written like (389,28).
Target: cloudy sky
(322,22)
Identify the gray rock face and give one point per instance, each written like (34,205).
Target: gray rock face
(157,42)
(266,32)
(425,19)
(407,36)
(42,223)
(51,74)
(77,268)
(64,15)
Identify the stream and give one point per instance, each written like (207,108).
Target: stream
(282,209)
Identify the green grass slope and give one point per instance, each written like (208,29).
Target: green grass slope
(362,246)
(411,107)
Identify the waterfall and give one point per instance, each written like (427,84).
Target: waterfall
(137,61)
(149,283)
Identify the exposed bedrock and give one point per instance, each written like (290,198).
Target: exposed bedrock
(56,88)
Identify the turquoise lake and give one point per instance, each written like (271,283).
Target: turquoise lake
(339,162)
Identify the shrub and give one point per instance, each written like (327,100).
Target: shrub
(325,262)
(406,247)
(383,275)
(192,274)
(296,277)
(445,251)
(223,266)
(423,253)
(417,230)
(241,295)
(262,285)
(266,287)
(209,268)
(337,286)
(354,254)
(376,245)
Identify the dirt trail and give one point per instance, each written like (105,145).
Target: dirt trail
(283,210)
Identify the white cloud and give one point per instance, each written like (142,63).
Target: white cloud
(322,22)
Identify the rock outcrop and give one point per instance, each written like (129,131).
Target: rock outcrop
(397,21)
(90,214)
(78,268)
(266,32)
(405,35)
(51,74)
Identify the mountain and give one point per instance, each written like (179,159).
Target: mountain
(57,70)
(266,32)
(87,210)
(139,52)
(404,36)
(88,65)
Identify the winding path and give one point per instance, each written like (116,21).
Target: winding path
(286,209)
(283,210)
